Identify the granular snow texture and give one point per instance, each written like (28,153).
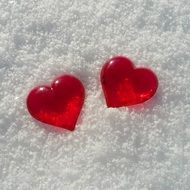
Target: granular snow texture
(145,147)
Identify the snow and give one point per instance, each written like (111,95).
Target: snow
(144,147)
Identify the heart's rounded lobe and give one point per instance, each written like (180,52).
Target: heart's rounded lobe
(59,104)
(125,85)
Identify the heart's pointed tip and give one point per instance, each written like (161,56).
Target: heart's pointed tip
(64,128)
(71,129)
(109,106)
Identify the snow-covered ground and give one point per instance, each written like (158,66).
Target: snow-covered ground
(144,147)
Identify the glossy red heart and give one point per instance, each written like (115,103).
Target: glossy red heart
(125,85)
(59,104)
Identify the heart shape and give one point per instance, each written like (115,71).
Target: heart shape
(59,104)
(125,85)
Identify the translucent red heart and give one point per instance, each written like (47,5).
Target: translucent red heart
(125,85)
(59,104)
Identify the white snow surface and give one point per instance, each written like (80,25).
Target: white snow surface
(145,147)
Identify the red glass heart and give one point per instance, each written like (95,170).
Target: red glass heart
(125,85)
(59,104)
